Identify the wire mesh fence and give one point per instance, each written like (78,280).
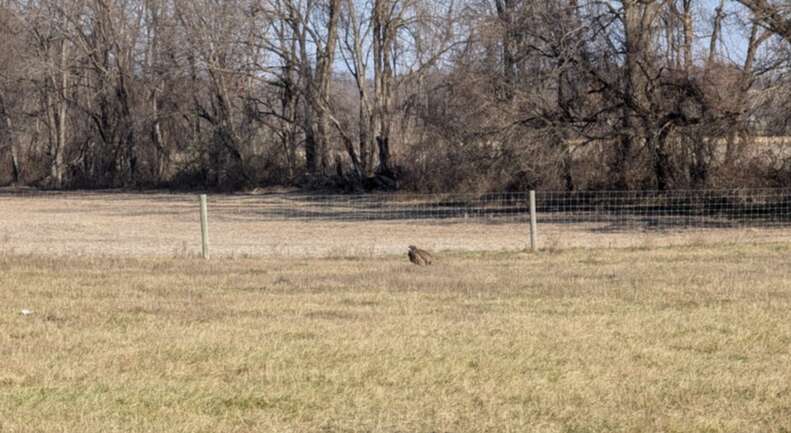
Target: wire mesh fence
(503,207)
(380,223)
(663,218)
(311,225)
(566,219)
(627,210)
(621,209)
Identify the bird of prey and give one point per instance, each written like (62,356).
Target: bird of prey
(419,257)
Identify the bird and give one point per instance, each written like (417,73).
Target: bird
(419,257)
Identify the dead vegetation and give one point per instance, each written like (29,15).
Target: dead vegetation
(686,339)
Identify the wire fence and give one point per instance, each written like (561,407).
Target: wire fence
(493,221)
(503,207)
(625,210)
(628,210)
(314,225)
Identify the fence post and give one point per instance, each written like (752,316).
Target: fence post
(533,223)
(204,225)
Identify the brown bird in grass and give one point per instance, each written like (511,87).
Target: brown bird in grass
(419,257)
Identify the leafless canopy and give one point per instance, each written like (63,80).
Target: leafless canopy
(431,95)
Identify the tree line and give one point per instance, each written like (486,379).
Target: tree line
(425,95)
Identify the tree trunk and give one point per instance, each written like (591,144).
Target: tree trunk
(366,147)
(288,108)
(700,170)
(9,137)
(16,172)
(326,60)
(311,144)
(317,87)
(662,168)
(289,99)
(162,154)
(567,165)
(689,36)
(127,126)
(365,117)
(384,35)
(64,85)
(634,98)
(715,34)
(57,111)
(506,13)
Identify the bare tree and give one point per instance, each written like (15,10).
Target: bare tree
(436,95)
(775,16)
(11,47)
(50,30)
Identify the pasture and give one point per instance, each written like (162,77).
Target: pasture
(322,325)
(682,339)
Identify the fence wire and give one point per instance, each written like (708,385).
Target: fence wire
(505,207)
(621,210)
(314,225)
(385,223)
(629,210)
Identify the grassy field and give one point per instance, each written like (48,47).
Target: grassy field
(684,339)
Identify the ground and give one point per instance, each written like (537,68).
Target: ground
(682,339)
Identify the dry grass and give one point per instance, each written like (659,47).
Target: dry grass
(167,225)
(693,339)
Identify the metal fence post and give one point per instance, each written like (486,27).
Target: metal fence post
(204,225)
(533,222)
